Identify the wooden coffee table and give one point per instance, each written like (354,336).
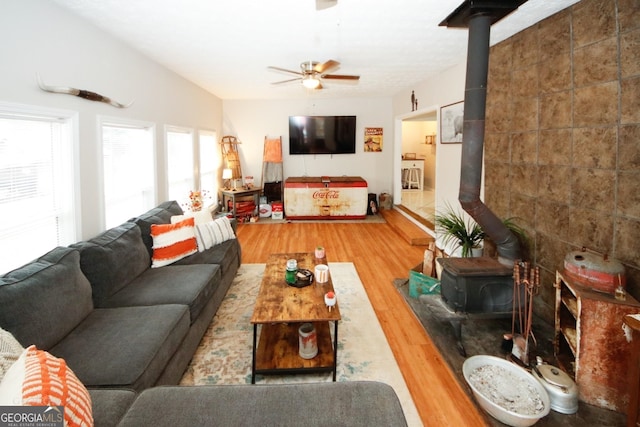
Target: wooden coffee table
(278,313)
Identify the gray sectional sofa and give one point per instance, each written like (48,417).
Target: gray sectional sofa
(125,328)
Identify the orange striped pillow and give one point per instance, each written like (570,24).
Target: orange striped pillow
(172,242)
(41,379)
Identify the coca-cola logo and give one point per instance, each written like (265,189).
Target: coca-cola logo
(326,194)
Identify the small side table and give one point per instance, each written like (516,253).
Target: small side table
(232,195)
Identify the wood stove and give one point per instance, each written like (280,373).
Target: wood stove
(477,285)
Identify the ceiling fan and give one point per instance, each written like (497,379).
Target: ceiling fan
(311,73)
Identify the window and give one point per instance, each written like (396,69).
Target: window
(180,163)
(36,183)
(128,169)
(209,161)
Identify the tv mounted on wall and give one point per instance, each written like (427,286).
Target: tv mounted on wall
(322,134)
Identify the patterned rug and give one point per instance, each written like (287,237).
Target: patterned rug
(224,354)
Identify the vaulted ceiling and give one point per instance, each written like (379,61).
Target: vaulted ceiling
(226,46)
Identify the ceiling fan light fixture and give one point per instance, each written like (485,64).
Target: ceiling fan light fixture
(310,82)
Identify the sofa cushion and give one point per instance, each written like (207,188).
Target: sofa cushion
(200,217)
(161,214)
(226,254)
(348,404)
(191,285)
(172,242)
(124,347)
(109,406)
(112,259)
(41,379)
(45,299)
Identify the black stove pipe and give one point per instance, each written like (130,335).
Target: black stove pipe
(475,97)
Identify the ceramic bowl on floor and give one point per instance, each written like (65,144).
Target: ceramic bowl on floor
(497,384)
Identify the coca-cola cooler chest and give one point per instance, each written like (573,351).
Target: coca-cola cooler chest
(327,197)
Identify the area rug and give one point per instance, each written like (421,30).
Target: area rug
(224,354)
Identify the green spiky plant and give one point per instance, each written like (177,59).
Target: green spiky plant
(457,232)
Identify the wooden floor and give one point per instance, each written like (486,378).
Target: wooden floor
(379,256)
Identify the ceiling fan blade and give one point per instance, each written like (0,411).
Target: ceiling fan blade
(284,70)
(340,77)
(329,65)
(285,81)
(325,4)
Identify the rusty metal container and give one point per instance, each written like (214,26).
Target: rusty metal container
(326,197)
(594,270)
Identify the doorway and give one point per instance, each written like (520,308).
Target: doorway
(417,172)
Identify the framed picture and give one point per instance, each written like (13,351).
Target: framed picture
(373,139)
(451,119)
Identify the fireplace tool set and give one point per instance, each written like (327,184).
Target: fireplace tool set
(526,284)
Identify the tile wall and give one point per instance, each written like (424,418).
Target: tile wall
(562,147)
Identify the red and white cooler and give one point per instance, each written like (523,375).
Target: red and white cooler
(342,197)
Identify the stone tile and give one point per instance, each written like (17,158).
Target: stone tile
(628,14)
(592,189)
(501,57)
(555,74)
(595,147)
(596,63)
(596,105)
(591,228)
(524,179)
(550,251)
(524,148)
(498,116)
(628,152)
(555,147)
(523,208)
(630,53)
(630,100)
(627,246)
(629,194)
(554,183)
(524,82)
(525,48)
(496,175)
(497,198)
(524,115)
(499,85)
(554,35)
(497,148)
(593,20)
(556,110)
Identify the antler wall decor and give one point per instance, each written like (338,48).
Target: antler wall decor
(92,96)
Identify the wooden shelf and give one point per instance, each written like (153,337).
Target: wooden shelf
(278,349)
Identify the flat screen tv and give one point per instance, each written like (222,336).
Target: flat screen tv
(322,134)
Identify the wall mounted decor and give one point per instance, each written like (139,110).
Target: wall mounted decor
(373,139)
(92,96)
(451,120)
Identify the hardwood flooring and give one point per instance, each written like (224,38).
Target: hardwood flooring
(379,256)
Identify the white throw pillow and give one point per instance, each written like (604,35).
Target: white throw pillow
(200,217)
(213,233)
(10,350)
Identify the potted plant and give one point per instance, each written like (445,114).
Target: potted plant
(458,232)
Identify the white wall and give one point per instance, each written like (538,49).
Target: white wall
(39,37)
(251,120)
(444,89)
